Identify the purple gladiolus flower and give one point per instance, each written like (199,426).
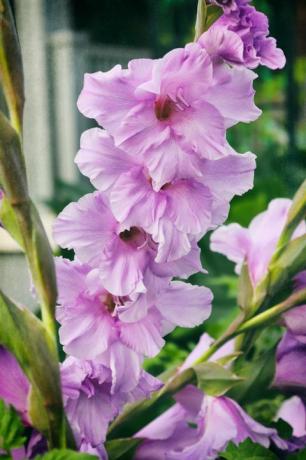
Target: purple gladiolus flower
(253,28)
(229,5)
(187,431)
(175,214)
(116,330)
(257,243)
(90,402)
(290,365)
(126,258)
(172,111)
(14,385)
(295,319)
(15,391)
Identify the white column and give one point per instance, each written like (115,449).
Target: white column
(67,59)
(32,32)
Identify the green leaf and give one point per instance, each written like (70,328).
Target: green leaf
(214,379)
(213,13)
(257,375)
(228,359)
(247,450)
(10,61)
(283,428)
(25,336)
(65,454)
(121,448)
(245,289)
(287,262)
(206,16)
(296,214)
(11,428)
(298,456)
(8,219)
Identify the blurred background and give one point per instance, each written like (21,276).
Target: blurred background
(63,39)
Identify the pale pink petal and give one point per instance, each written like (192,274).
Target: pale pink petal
(85,226)
(125,366)
(201,129)
(135,203)
(107,97)
(189,206)
(169,160)
(172,244)
(122,267)
(225,178)
(270,55)
(234,97)
(86,330)
(293,411)
(221,42)
(233,241)
(143,336)
(100,160)
(183,267)
(185,305)
(71,279)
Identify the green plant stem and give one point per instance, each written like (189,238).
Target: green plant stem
(11,73)
(295,216)
(269,316)
(8,90)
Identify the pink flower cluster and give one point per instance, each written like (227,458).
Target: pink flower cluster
(164,175)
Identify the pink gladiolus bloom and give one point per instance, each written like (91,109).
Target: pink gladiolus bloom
(256,244)
(175,214)
(187,431)
(90,403)
(172,111)
(125,257)
(115,330)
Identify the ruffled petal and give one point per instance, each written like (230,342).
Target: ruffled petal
(100,160)
(185,305)
(85,226)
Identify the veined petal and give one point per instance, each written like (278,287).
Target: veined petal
(185,305)
(85,226)
(100,160)
(190,206)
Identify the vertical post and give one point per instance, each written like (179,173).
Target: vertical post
(32,33)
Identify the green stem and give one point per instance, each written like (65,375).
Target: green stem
(200,19)
(239,327)
(270,315)
(8,90)
(11,73)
